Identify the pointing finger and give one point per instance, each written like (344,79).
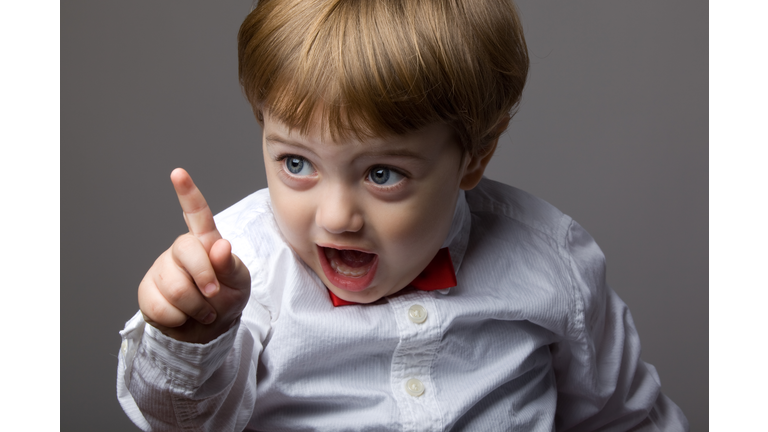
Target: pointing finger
(197,214)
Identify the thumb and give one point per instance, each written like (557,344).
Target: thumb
(229,269)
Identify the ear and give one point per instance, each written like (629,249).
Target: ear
(476,164)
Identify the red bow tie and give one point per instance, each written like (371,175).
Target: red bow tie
(437,275)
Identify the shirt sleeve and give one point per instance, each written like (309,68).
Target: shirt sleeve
(168,385)
(603,385)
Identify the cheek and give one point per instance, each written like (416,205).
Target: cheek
(288,206)
(293,213)
(421,224)
(431,216)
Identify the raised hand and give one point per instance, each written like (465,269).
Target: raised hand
(196,290)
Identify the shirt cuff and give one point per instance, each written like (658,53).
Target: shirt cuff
(188,364)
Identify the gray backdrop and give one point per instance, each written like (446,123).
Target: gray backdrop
(612,130)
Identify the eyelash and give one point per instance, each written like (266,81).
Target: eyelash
(284,172)
(282,157)
(391,188)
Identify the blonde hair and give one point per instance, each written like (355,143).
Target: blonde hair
(380,67)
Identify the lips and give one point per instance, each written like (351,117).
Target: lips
(348,269)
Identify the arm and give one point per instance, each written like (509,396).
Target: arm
(602,382)
(192,368)
(164,384)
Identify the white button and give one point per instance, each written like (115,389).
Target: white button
(414,387)
(417,314)
(124,347)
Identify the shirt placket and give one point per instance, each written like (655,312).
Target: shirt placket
(412,380)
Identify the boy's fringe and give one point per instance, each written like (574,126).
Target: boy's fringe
(366,68)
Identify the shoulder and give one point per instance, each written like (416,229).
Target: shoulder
(250,220)
(242,214)
(506,213)
(547,261)
(492,200)
(250,226)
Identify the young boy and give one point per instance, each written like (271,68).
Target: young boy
(381,283)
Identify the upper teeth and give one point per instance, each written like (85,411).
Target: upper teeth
(346,271)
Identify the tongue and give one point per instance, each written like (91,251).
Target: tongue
(354,258)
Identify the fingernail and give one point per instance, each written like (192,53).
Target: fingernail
(209,289)
(209,318)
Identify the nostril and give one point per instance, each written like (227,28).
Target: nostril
(337,220)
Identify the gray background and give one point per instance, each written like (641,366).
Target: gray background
(612,130)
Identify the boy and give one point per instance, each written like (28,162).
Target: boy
(381,283)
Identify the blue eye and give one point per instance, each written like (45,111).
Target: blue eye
(384,176)
(298,166)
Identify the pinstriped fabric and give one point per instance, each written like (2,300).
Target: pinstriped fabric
(531,339)
(414,358)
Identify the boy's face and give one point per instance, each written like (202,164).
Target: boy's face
(368,216)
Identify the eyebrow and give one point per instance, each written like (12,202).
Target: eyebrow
(398,152)
(403,153)
(271,138)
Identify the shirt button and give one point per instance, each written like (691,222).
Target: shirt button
(417,314)
(414,387)
(124,347)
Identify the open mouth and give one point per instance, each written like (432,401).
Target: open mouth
(348,269)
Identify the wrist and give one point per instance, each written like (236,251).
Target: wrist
(188,364)
(194,332)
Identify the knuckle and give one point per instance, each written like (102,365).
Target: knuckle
(165,315)
(157,266)
(176,292)
(185,244)
(143,291)
(204,276)
(158,312)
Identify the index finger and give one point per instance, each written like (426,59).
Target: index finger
(197,214)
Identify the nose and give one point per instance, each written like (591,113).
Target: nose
(338,212)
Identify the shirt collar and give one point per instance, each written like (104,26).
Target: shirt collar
(458,235)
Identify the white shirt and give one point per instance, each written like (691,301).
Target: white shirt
(531,339)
